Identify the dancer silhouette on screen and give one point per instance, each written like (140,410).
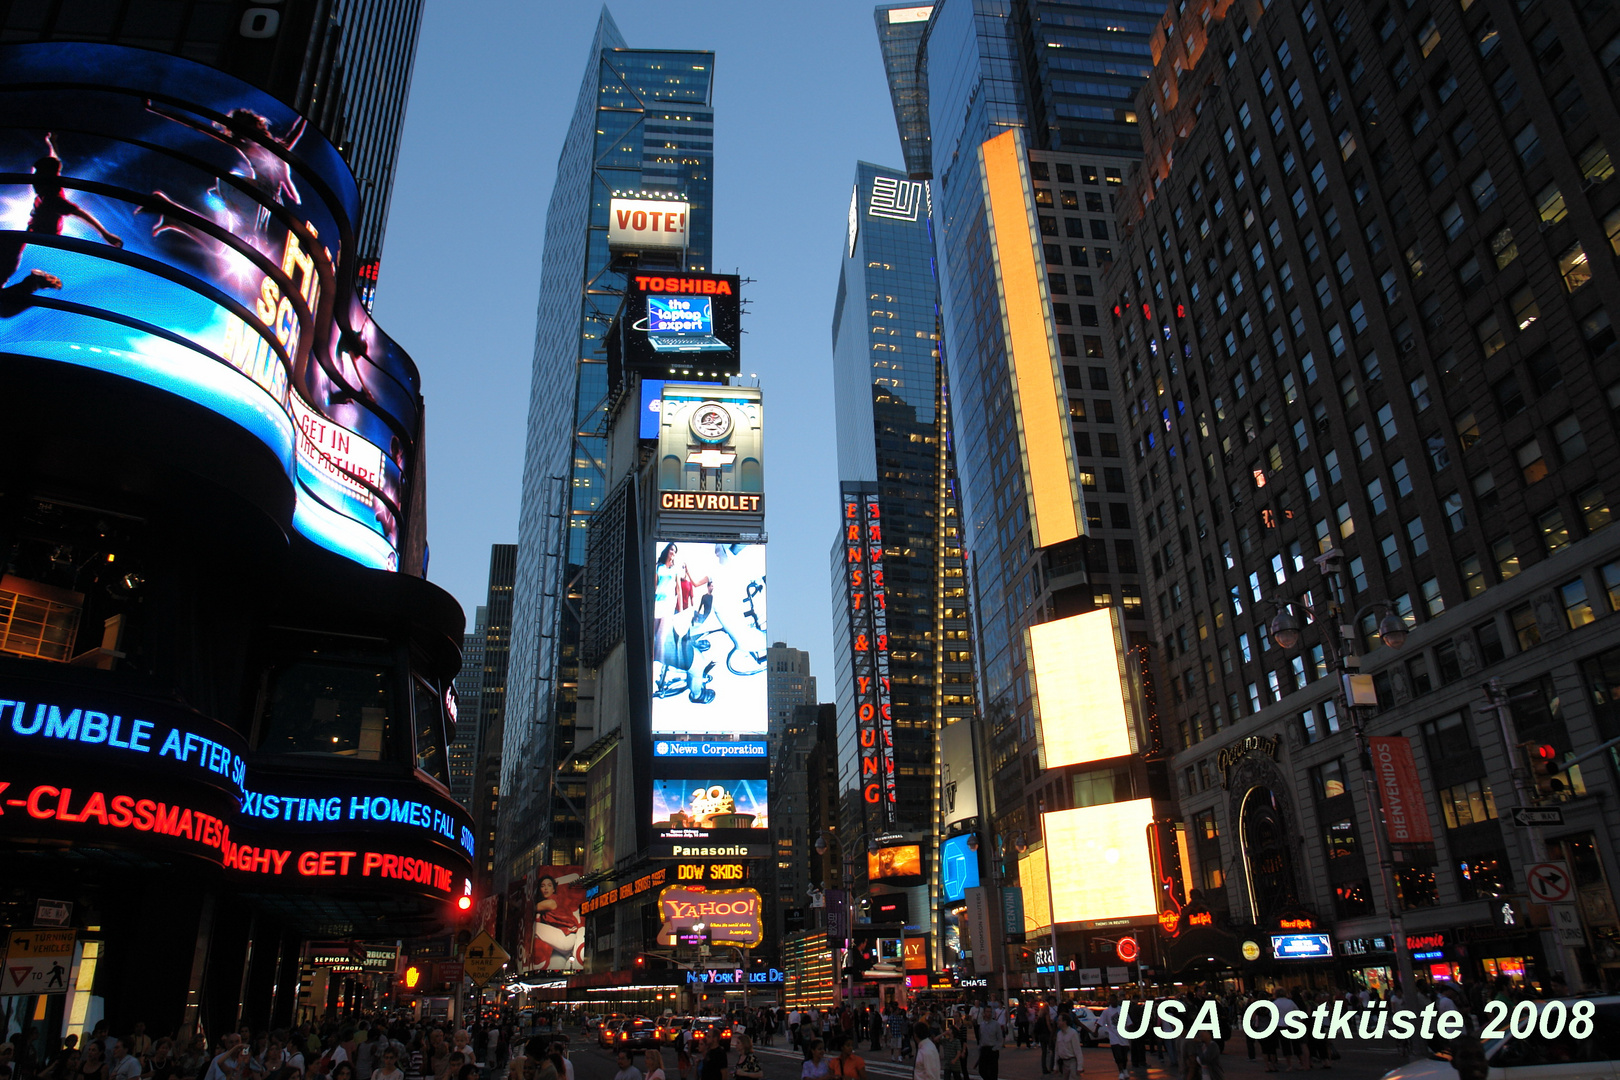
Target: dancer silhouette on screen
(52,209)
(263,167)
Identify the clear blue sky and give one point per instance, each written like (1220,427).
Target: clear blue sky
(799,97)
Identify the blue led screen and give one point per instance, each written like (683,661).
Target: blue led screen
(958,868)
(165,223)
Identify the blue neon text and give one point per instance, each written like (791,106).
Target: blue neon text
(93,728)
(378,808)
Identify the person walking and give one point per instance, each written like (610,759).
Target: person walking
(815,1065)
(1045,1032)
(952,1047)
(926,1065)
(1067,1051)
(992,1036)
(1118,1044)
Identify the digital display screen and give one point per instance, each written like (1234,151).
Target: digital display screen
(729,917)
(1301,946)
(699,808)
(1083,709)
(652,403)
(199,241)
(1112,835)
(904,861)
(680,315)
(677,321)
(959,868)
(711,477)
(709,640)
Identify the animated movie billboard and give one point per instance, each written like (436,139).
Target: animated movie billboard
(165,223)
(699,808)
(709,639)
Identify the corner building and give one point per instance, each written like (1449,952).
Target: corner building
(344,64)
(1363,305)
(228,685)
(1033,130)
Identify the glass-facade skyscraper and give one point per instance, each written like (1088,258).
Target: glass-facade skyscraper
(1025,232)
(643,122)
(900,29)
(893,447)
(1032,129)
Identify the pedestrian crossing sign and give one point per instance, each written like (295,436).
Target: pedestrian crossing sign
(37,962)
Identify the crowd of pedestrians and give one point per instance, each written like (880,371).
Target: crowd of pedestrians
(397,1049)
(955,1042)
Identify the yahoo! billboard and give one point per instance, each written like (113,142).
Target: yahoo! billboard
(165,223)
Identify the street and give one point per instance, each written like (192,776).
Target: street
(784,1063)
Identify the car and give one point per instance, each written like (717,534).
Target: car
(637,1033)
(714,1028)
(1088,1022)
(608,1034)
(670,1028)
(1539,1056)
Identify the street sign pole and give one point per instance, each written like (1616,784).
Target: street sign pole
(1535,849)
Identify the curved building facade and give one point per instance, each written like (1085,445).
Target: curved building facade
(227,686)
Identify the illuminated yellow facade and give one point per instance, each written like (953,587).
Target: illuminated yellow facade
(1101,863)
(1040,404)
(1032,879)
(1082,701)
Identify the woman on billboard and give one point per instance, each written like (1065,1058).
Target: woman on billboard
(559,932)
(674,646)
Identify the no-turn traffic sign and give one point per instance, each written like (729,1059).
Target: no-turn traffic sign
(1549,882)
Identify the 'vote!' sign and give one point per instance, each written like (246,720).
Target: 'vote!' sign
(647,223)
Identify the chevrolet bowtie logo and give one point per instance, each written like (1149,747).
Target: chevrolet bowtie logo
(710,459)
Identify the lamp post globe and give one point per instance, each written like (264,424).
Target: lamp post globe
(1285,630)
(1392,631)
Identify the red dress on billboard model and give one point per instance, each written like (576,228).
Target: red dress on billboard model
(559,931)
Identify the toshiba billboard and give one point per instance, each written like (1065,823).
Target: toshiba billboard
(647,224)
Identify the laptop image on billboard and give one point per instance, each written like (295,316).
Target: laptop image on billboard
(677,324)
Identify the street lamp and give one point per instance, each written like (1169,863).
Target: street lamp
(1341,646)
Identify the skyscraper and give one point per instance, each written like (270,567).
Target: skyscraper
(1033,129)
(496,614)
(900,30)
(643,122)
(344,64)
(903,646)
(469,693)
(789,684)
(1364,326)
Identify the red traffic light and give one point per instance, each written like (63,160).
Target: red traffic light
(1543,752)
(463,903)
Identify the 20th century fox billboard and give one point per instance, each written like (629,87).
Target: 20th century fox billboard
(711,475)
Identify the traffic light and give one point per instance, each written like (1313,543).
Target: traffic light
(463,913)
(640,962)
(1545,773)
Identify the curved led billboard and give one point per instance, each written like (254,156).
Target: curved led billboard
(93,766)
(165,223)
